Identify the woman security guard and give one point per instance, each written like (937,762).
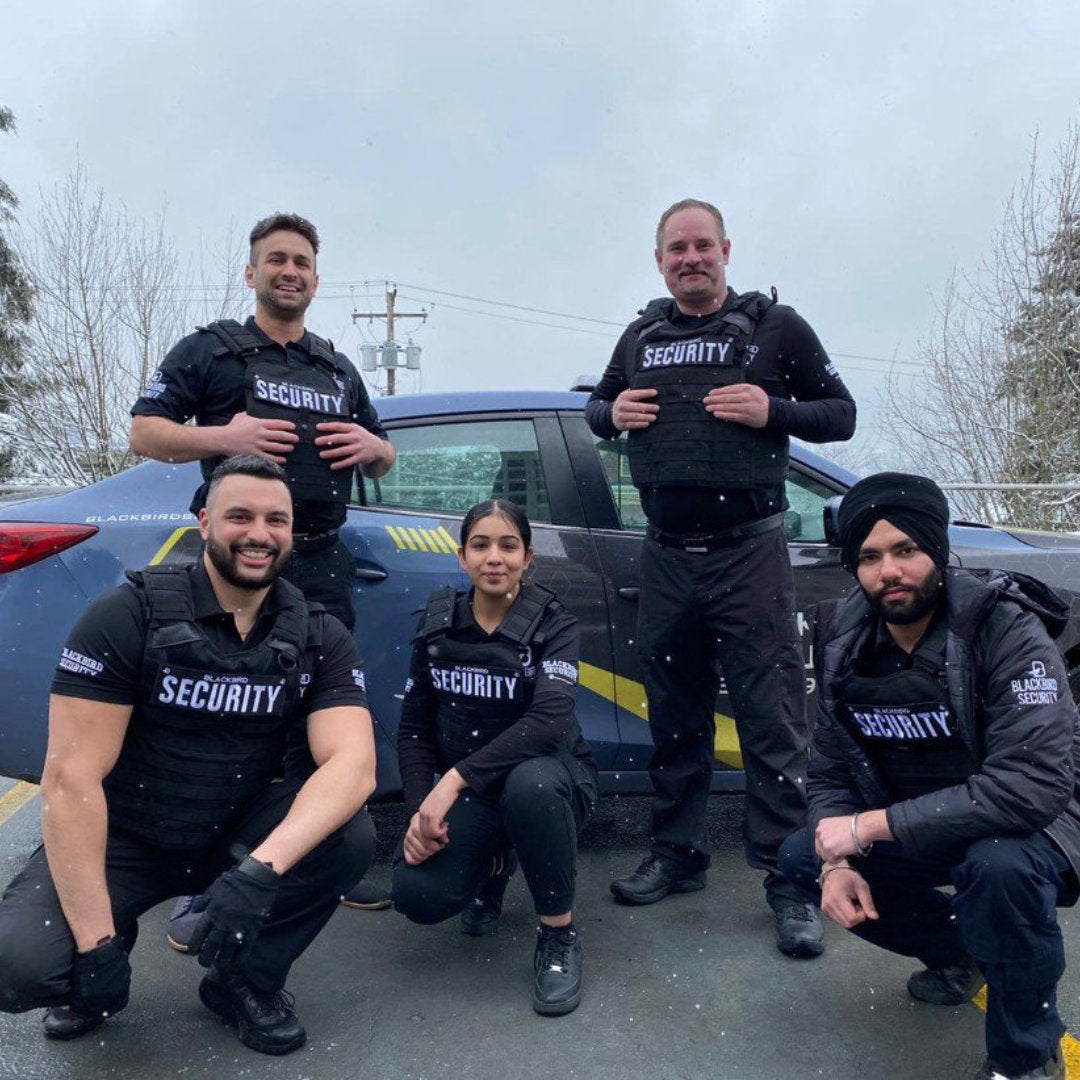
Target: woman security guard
(489,704)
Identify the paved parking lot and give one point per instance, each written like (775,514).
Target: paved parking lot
(689,987)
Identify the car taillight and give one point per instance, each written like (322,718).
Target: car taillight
(23,543)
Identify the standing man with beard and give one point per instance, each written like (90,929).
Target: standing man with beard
(946,752)
(710,385)
(271,387)
(175,701)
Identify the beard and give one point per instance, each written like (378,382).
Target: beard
(919,601)
(226,562)
(292,309)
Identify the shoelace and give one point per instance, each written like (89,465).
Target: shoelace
(556,953)
(798,912)
(277,1006)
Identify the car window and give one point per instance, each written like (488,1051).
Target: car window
(806,497)
(617,471)
(449,467)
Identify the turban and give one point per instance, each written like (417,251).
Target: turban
(913,504)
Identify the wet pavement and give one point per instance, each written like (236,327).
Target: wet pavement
(690,987)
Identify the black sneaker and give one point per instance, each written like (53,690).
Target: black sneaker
(798,928)
(953,985)
(559,967)
(481,917)
(654,879)
(265,1022)
(62,1024)
(364,896)
(1051,1069)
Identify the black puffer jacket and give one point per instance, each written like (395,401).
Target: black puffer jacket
(1000,630)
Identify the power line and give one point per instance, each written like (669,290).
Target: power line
(510,318)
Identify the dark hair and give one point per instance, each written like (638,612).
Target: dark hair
(280,222)
(509,511)
(688,204)
(245,465)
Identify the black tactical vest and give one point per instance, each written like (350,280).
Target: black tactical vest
(482,687)
(685,446)
(208,730)
(306,396)
(904,723)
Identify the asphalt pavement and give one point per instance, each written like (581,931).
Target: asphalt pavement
(690,987)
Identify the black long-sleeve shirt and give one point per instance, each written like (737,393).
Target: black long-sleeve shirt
(807,400)
(547,725)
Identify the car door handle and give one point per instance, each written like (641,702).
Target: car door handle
(631,592)
(366,574)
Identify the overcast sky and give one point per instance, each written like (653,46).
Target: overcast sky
(860,152)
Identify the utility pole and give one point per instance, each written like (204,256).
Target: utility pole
(390,347)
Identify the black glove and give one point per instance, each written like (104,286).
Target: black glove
(234,910)
(100,981)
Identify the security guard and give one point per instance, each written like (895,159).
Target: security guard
(710,385)
(175,702)
(270,387)
(946,752)
(489,705)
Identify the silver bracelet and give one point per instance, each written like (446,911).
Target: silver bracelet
(828,868)
(855,836)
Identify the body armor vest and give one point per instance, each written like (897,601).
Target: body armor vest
(904,723)
(306,396)
(685,446)
(208,730)
(482,687)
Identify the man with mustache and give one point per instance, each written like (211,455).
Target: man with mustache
(946,751)
(273,388)
(709,385)
(175,702)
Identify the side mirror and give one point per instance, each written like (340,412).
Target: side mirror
(830,514)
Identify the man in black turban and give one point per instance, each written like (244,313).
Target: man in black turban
(944,755)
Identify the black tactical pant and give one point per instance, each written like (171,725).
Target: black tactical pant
(539,812)
(731,609)
(326,575)
(1003,913)
(36,946)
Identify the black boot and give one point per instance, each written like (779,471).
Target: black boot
(654,879)
(798,928)
(61,1023)
(559,968)
(1051,1069)
(481,917)
(265,1021)
(953,985)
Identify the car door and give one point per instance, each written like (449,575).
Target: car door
(613,507)
(404,541)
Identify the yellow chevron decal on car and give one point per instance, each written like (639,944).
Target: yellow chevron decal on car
(630,695)
(166,548)
(433,541)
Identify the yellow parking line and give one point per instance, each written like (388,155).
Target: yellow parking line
(15,799)
(1070,1047)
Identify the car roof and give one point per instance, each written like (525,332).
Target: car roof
(415,406)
